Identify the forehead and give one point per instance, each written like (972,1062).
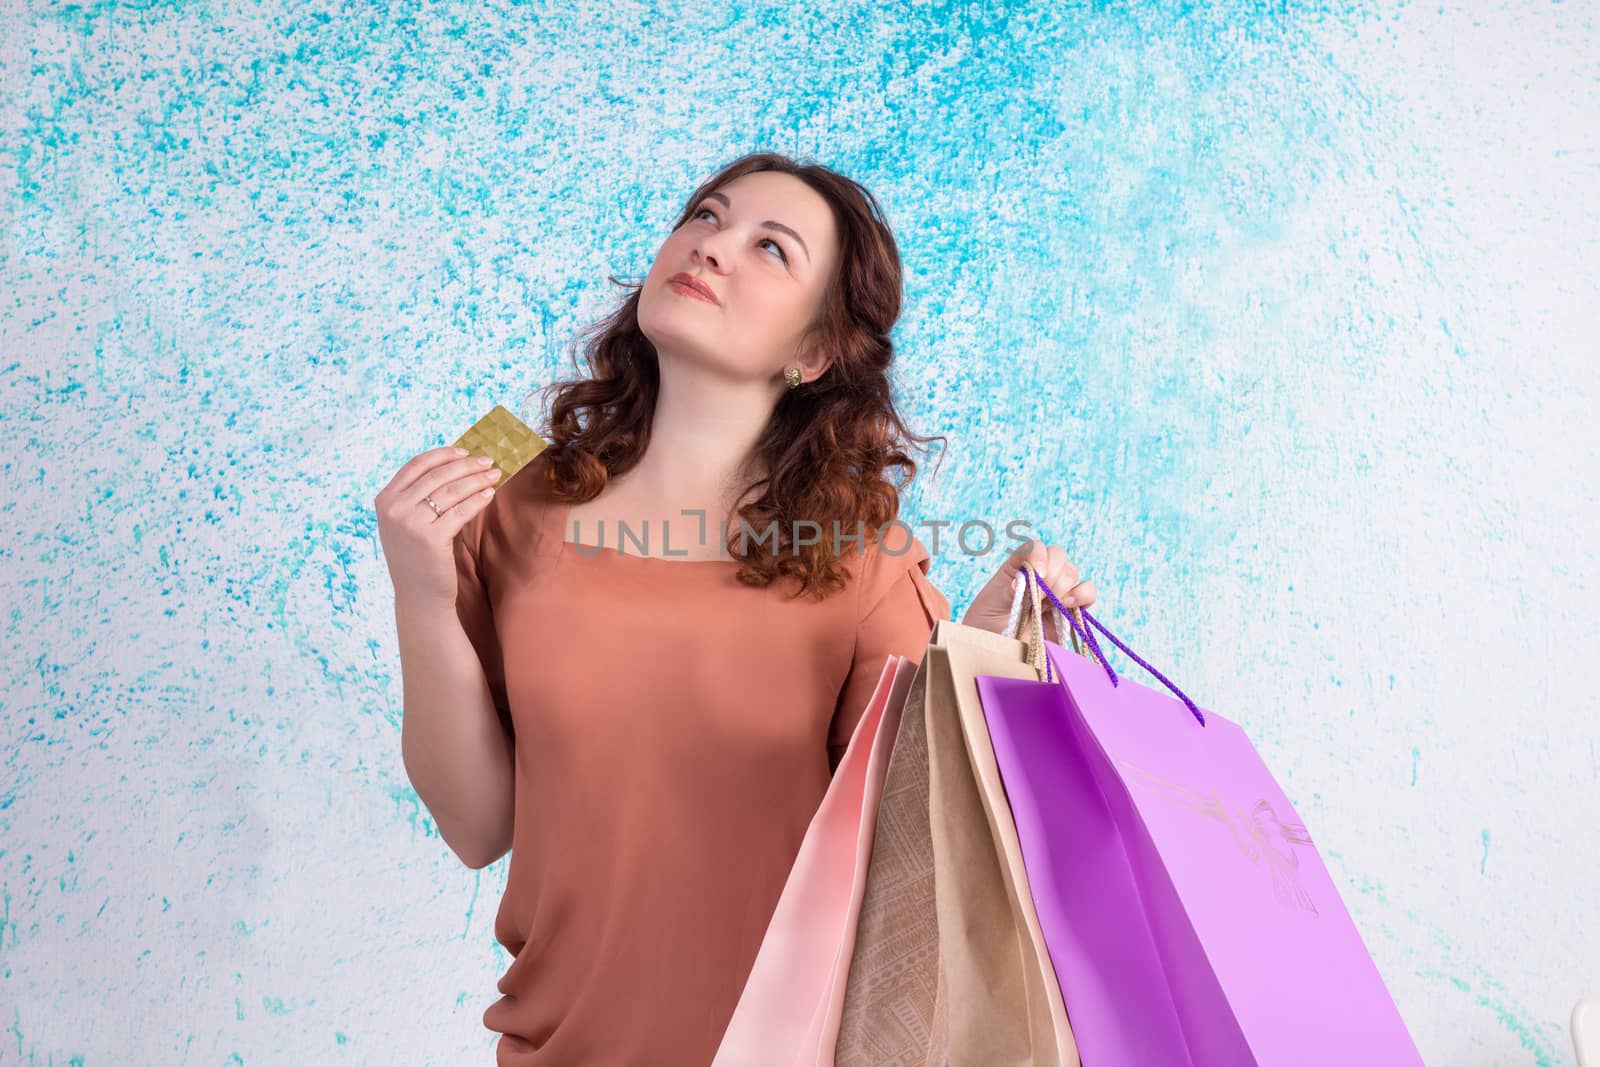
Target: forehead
(782,198)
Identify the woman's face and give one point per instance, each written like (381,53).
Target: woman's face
(766,246)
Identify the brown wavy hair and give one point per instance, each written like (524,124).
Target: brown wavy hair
(829,443)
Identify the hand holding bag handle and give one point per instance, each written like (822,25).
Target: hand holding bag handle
(1035,641)
(1029,578)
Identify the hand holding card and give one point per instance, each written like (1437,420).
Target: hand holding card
(439,491)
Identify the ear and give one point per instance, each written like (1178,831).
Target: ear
(813,362)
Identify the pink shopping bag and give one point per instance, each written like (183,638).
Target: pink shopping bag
(1188,915)
(789,1010)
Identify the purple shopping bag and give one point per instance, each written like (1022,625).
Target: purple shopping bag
(1188,916)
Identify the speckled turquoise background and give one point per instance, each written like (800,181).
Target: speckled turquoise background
(1280,317)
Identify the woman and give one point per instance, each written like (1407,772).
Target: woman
(650,729)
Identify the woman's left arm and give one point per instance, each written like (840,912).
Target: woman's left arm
(991,608)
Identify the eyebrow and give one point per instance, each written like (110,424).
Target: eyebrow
(769,224)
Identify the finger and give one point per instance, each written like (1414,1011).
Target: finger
(1057,572)
(457,515)
(1056,568)
(1029,552)
(419,465)
(415,505)
(452,482)
(1079,596)
(453,497)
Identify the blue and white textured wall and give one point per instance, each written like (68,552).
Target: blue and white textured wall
(1282,317)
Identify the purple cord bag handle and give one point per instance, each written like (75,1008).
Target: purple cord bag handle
(1088,638)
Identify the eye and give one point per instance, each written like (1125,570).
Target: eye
(764,241)
(781,253)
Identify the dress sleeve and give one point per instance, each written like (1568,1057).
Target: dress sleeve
(474,580)
(895,615)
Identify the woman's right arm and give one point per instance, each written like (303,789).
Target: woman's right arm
(455,749)
(453,744)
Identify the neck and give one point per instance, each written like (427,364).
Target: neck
(703,436)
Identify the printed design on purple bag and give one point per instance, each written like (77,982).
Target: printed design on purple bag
(1260,833)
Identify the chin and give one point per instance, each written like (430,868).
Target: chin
(664,329)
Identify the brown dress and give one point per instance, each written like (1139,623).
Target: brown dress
(673,731)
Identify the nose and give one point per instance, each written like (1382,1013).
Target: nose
(707,249)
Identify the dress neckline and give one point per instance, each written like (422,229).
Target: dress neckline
(571,549)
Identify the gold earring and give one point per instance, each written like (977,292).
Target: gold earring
(792,376)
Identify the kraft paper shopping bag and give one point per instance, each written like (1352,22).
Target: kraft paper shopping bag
(950,963)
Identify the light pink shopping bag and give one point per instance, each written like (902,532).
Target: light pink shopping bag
(1188,915)
(790,1008)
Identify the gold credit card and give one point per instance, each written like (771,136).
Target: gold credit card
(505,439)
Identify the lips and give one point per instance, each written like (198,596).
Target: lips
(695,287)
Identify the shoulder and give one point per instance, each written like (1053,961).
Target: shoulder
(896,558)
